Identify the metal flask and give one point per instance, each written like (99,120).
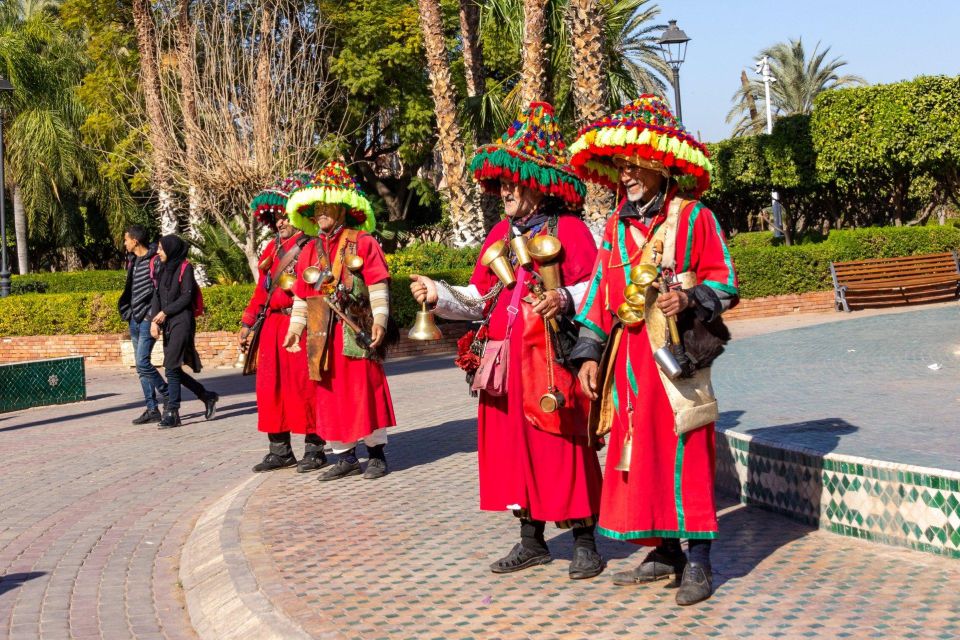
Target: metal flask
(496,258)
(425,326)
(667,362)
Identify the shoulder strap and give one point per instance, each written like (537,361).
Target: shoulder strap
(183,267)
(153,263)
(677,205)
(514,307)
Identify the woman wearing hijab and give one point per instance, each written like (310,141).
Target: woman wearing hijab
(172,312)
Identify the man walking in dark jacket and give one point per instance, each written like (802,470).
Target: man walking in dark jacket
(134,307)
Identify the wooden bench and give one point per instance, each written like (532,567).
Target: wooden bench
(888,281)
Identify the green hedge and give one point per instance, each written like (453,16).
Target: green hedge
(89,312)
(72,281)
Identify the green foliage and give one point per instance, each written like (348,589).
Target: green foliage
(223,306)
(403,307)
(76,281)
(423,257)
(27,284)
(221,258)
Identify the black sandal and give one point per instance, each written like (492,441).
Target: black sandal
(520,557)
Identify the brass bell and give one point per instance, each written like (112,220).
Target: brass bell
(643,275)
(551,401)
(496,258)
(519,246)
(626,452)
(629,317)
(545,250)
(286,280)
(425,326)
(354,263)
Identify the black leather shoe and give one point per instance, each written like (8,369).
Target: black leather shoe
(696,584)
(311,461)
(340,470)
(210,402)
(520,557)
(170,420)
(656,566)
(272,461)
(586,563)
(376,468)
(148,416)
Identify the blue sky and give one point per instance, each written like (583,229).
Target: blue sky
(881,40)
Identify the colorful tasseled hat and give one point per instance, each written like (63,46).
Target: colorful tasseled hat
(530,153)
(271,204)
(646,133)
(332,184)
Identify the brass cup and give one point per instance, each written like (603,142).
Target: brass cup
(551,401)
(265,263)
(286,281)
(519,246)
(354,263)
(425,326)
(313,274)
(643,275)
(544,250)
(629,316)
(635,297)
(495,257)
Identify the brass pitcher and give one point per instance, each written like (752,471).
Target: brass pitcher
(425,326)
(496,258)
(545,250)
(519,246)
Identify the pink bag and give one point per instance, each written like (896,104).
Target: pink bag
(491,376)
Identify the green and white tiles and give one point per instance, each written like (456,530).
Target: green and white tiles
(886,502)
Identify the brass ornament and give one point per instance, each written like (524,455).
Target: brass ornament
(626,452)
(519,246)
(629,317)
(354,263)
(495,257)
(266,263)
(286,280)
(425,326)
(551,401)
(545,250)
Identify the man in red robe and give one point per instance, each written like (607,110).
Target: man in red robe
(533,461)
(666,494)
(344,270)
(284,392)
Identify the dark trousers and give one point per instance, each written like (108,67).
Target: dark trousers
(176,378)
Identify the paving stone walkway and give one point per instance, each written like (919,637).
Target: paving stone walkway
(95,514)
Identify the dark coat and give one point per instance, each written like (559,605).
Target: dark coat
(174,296)
(124,303)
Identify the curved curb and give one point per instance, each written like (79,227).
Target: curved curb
(223,597)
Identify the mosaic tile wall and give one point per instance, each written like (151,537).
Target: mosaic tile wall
(884,502)
(41,382)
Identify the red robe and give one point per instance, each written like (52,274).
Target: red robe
(554,477)
(353,400)
(284,391)
(668,491)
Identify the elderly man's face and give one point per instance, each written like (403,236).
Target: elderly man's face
(518,201)
(329,216)
(284,228)
(641,184)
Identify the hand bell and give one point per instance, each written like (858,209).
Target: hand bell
(425,326)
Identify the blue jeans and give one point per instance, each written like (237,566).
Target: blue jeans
(150,379)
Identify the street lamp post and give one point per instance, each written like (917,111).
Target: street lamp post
(763,68)
(673,48)
(5,87)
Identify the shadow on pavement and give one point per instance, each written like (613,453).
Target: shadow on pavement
(13,581)
(100,396)
(419,364)
(422,446)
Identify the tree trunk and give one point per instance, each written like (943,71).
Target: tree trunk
(262,135)
(589,93)
(466,222)
(751,103)
(533,67)
(20,229)
(160,174)
(472,54)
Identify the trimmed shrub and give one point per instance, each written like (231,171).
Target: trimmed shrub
(427,257)
(27,284)
(75,281)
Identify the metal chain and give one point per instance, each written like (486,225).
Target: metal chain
(470,301)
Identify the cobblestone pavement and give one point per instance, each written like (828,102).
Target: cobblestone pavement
(94,513)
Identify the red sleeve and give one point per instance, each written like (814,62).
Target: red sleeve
(705,250)
(579,250)
(483,278)
(259,297)
(594,313)
(374,262)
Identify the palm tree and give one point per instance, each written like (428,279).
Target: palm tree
(798,83)
(534,83)
(466,221)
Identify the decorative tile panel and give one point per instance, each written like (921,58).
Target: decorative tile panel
(41,382)
(885,502)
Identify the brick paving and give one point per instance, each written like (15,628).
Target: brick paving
(94,515)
